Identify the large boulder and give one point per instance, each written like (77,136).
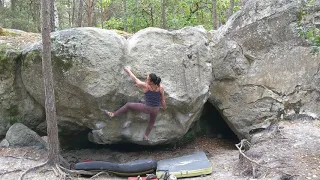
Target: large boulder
(87,67)
(182,59)
(262,70)
(287,150)
(20,135)
(88,75)
(15,103)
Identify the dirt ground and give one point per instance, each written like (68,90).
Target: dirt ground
(292,147)
(222,154)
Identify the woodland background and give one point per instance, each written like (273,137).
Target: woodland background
(125,15)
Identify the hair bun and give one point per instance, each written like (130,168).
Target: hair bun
(158,81)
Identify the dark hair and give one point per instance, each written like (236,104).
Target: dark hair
(153,78)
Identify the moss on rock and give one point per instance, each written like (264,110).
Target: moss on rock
(4,60)
(63,63)
(6,32)
(14,115)
(33,56)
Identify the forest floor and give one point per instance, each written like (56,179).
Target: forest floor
(222,154)
(289,151)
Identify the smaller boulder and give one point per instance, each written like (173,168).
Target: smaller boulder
(4,143)
(20,135)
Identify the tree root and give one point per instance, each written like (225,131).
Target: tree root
(24,158)
(240,146)
(100,173)
(7,172)
(59,170)
(82,172)
(33,168)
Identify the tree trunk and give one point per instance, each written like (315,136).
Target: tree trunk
(1,3)
(214,14)
(230,10)
(73,12)
(163,14)
(90,4)
(151,15)
(52,126)
(101,13)
(79,22)
(69,12)
(135,15)
(56,17)
(105,13)
(125,15)
(243,2)
(13,5)
(51,7)
(35,9)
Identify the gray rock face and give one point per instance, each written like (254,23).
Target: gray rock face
(88,73)
(20,135)
(7,94)
(288,147)
(182,59)
(262,70)
(15,103)
(4,143)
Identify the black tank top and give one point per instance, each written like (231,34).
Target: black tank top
(153,98)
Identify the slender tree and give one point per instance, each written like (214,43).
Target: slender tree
(135,16)
(80,13)
(102,13)
(69,13)
(56,17)
(52,19)
(1,3)
(163,14)
(90,6)
(214,14)
(13,5)
(125,15)
(230,9)
(73,12)
(52,126)
(243,2)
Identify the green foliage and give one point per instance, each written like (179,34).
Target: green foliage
(13,110)
(300,15)
(113,23)
(3,56)
(140,14)
(313,36)
(13,113)
(25,16)
(308,30)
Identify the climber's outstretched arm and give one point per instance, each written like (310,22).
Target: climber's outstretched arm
(136,80)
(163,99)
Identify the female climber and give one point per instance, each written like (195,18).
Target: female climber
(154,98)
